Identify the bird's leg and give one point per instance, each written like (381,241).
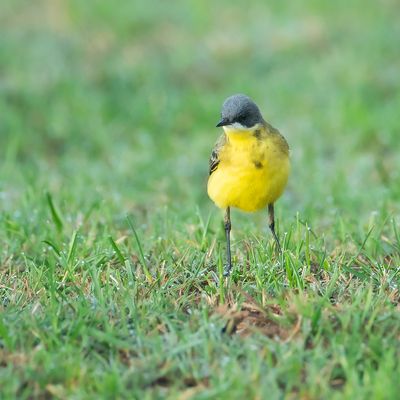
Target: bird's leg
(227,224)
(271,225)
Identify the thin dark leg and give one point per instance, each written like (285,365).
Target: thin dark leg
(227,221)
(272,225)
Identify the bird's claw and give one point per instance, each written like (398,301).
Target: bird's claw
(227,270)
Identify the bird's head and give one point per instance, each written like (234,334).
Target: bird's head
(240,112)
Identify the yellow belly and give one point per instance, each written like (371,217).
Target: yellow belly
(251,174)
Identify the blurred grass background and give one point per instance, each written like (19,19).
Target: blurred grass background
(111,108)
(123,99)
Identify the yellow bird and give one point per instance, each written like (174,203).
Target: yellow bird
(249,165)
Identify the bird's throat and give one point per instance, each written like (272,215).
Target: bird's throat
(239,135)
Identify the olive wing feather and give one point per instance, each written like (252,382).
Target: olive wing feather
(214,158)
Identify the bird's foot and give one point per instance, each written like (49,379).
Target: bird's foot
(227,270)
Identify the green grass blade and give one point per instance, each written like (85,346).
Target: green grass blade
(118,252)
(140,249)
(55,213)
(72,247)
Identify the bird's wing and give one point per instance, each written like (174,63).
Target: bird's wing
(214,158)
(281,141)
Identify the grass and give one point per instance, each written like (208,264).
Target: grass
(111,253)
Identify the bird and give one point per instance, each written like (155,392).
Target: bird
(249,165)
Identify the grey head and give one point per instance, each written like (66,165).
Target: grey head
(240,111)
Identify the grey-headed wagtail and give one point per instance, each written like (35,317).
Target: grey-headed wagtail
(249,165)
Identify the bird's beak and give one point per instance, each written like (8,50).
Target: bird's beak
(223,122)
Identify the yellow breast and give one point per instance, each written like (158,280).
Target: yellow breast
(253,170)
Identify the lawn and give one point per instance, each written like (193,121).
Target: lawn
(111,253)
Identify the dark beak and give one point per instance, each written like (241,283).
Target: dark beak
(223,122)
